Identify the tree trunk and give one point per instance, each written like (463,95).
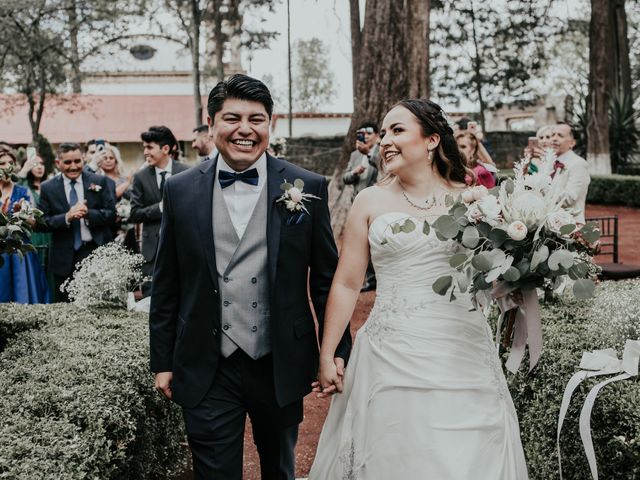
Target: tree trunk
(620,62)
(356,40)
(382,77)
(289,68)
(196,19)
(76,74)
(600,85)
(477,68)
(219,39)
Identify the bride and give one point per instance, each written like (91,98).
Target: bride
(424,396)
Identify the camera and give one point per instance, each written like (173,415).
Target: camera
(360,137)
(100,145)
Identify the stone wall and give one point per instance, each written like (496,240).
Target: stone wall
(507,147)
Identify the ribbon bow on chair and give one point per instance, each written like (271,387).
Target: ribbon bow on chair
(593,364)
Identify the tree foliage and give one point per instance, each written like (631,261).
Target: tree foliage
(314,82)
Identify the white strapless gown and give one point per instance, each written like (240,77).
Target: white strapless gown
(424,394)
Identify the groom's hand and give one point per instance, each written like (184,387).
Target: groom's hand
(329,378)
(163,383)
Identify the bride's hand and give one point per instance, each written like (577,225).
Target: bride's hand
(329,378)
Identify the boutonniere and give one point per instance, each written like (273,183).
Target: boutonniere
(294,198)
(95,188)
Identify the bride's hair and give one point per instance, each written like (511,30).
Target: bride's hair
(447,159)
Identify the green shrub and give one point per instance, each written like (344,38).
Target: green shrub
(571,327)
(614,190)
(77,398)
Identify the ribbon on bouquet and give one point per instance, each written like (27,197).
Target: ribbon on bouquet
(527,325)
(593,364)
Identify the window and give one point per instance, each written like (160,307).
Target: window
(142,52)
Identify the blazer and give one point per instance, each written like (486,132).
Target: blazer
(370,176)
(145,206)
(573,184)
(185,308)
(54,205)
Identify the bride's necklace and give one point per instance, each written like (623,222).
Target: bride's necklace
(429,203)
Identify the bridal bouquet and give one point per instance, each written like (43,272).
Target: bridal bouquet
(516,238)
(16,228)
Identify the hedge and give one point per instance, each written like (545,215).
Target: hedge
(571,327)
(615,190)
(77,397)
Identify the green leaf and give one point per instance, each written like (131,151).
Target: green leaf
(470,237)
(584,288)
(408,226)
(298,183)
(463,221)
(567,229)
(498,237)
(493,274)
(482,262)
(539,256)
(590,232)
(452,297)
(457,260)
(442,284)
(484,229)
(509,186)
(523,266)
(286,186)
(560,258)
(464,279)
(384,241)
(459,212)
(426,228)
(396,228)
(511,275)
(448,200)
(480,284)
(580,269)
(447,226)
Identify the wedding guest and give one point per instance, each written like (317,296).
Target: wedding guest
(21,277)
(112,166)
(572,172)
(31,176)
(203,143)
(468,145)
(79,209)
(536,152)
(362,172)
(159,147)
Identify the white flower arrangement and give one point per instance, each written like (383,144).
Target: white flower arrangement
(104,277)
(294,196)
(123,209)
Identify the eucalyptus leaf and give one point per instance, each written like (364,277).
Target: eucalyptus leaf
(408,226)
(590,232)
(498,237)
(560,258)
(457,260)
(396,228)
(498,257)
(482,262)
(479,283)
(539,256)
(493,274)
(440,237)
(447,226)
(442,284)
(584,288)
(298,183)
(448,200)
(459,212)
(484,229)
(286,186)
(470,237)
(463,221)
(426,228)
(509,186)
(567,229)
(464,280)
(511,275)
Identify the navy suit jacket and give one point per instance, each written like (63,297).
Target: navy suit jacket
(54,206)
(185,303)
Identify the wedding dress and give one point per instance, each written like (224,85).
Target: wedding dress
(424,394)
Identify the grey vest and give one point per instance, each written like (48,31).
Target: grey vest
(243,278)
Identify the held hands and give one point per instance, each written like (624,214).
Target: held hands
(78,211)
(330,378)
(163,384)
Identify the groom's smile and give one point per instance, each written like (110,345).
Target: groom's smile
(241,132)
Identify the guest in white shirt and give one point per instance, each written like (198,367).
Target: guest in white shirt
(159,145)
(572,172)
(203,143)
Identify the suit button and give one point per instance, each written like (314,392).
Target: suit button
(254,280)
(254,304)
(226,326)
(215,332)
(226,279)
(226,303)
(254,329)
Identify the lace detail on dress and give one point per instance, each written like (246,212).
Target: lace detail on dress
(347,458)
(492,360)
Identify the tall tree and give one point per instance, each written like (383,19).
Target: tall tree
(314,81)
(289,70)
(395,35)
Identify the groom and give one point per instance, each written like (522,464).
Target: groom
(232,329)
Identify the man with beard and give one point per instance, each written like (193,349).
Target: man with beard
(79,209)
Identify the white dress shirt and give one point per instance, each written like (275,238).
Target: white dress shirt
(240,197)
(167,169)
(85,233)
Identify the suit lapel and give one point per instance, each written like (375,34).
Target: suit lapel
(275,178)
(204,212)
(62,194)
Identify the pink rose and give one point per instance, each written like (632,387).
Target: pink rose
(295,194)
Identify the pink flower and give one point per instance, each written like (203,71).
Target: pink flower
(295,194)
(517,230)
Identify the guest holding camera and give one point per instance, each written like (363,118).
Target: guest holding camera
(537,146)
(362,171)
(469,146)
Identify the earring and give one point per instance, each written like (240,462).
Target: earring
(430,155)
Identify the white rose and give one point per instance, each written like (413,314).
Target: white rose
(556,220)
(517,230)
(474,214)
(479,192)
(490,208)
(467,196)
(295,194)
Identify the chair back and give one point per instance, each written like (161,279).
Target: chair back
(608,236)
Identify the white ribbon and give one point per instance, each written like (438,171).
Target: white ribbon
(593,364)
(141,306)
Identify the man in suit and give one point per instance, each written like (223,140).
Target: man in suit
(203,143)
(362,172)
(79,209)
(231,327)
(572,172)
(147,190)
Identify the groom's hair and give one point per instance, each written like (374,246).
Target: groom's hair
(241,87)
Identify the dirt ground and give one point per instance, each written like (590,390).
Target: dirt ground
(316,409)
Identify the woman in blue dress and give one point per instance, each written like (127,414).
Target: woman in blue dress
(22,279)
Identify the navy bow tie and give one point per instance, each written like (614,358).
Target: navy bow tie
(228,178)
